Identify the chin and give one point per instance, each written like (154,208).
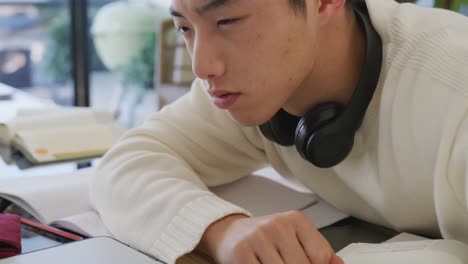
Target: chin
(248,119)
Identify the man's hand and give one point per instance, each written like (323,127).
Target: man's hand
(289,238)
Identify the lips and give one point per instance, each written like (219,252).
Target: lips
(221,98)
(226,100)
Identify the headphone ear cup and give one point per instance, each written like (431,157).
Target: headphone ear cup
(281,128)
(315,136)
(267,131)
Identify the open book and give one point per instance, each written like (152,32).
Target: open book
(59,134)
(61,200)
(406,252)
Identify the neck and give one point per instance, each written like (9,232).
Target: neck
(334,77)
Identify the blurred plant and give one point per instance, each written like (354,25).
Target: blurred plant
(58,56)
(58,62)
(140,71)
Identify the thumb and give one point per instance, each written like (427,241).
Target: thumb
(336,260)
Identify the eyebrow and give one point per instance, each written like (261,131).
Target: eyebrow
(208,7)
(213,5)
(175,13)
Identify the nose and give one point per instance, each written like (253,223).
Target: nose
(207,62)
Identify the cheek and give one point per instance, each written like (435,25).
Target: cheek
(280,61)
(269,66)
(251,60)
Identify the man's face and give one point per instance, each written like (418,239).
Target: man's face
(253,54)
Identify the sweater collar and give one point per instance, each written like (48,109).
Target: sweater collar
(380,12)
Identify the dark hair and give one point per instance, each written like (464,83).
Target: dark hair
(299,6)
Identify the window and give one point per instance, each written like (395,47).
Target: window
(34,48)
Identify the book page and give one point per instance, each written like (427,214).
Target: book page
(266,192)
(405,237)
(101,116)
(37,111)
(51,119)
(323,214)
(5,135)
(262,196)
(414,252)
(44,119)
(50,197)
(66,143)
(88,223)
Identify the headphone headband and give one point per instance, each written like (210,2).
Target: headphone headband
(352,116)
(325,134)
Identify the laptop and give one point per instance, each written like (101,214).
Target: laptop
(98,250)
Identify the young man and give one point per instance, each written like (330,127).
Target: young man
(407,169)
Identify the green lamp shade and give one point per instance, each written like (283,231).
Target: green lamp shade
(119,30)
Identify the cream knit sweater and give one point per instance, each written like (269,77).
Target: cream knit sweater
(408,169)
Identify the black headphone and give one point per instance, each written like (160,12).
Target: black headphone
(325,135)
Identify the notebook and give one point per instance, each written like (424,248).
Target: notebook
(99,250)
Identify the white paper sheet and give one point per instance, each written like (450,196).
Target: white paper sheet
(414,252)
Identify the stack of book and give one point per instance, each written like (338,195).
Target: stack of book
(42,136)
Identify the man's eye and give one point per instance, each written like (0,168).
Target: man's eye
(225,22)
(182,30)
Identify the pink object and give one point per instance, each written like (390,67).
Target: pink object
(10,235)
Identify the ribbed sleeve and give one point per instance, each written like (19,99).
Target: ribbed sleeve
(187,227)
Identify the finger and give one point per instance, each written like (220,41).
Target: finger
(316,250)
(291,251)
(336,260)
(315,246)
(244,254)
(265,249)
(283,235)
(249,259)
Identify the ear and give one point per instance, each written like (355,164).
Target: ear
(326,10)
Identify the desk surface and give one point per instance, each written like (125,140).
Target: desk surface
(100,250)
